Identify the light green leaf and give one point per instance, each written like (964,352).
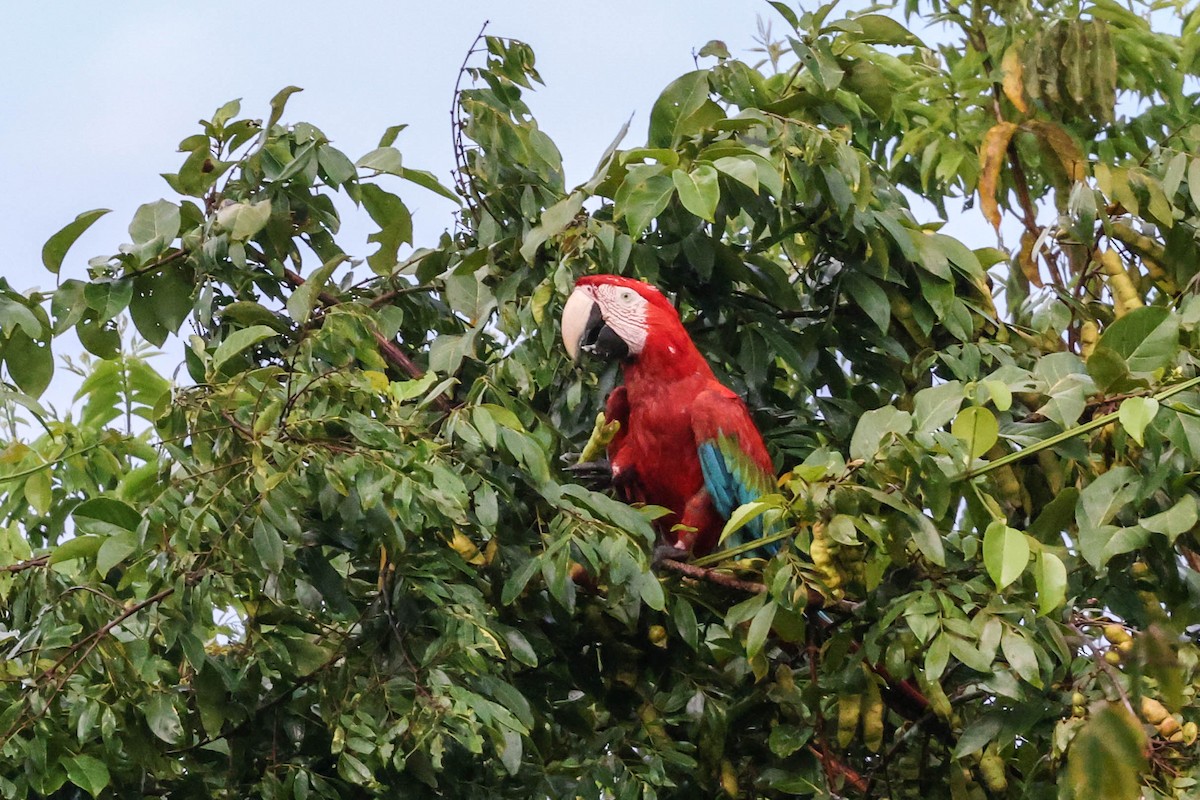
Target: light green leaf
(1147,338)
(554,220)
(741,169)
(873,427)
(163,718)
(1020,655)
(244,220)
(382,159)
(56,247)
(239,341)
(644,195)
(935,406)
(114,550)
(79,547)
(1135,414)
(699,191)
(1108,756)
(1005,553)
(1051,577)
(977,427)
(1177,519)
(670,118)
(154,226)
(305,296)
(746,512)
(929,540)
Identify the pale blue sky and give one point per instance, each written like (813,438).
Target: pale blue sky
(96,96)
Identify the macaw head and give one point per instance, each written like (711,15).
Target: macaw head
(611,317)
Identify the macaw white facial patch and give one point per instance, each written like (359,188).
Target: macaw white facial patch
(624,310)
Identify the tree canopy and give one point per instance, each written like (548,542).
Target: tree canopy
(337,554)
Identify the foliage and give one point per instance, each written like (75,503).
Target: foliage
(341,558)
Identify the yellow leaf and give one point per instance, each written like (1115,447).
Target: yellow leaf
(991,158)
(1062,145)
(1013,80)
(1027,260)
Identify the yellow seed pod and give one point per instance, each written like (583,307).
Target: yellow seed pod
(729,781)
(1168,727)
(1153,711)
(991,769)
(1116,633)
(849,712)
(1112,657)
(872,718)
(1189,731)
(1089,334)
(657,636)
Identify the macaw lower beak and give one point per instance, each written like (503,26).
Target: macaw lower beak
(584,328)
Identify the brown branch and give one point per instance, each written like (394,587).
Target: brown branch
(21,566)
(816,600)
(832,765)
(390,351)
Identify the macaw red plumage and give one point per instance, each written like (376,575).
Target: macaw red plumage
(686,442)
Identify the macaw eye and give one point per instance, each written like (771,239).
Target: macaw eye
(626,296)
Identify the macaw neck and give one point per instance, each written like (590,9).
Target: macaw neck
(667,357)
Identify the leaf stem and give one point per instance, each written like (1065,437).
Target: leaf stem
(1068,434)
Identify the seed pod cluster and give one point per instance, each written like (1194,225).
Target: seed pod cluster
(836,564)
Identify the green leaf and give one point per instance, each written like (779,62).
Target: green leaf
(238,341)
(760,626)
(1108,755)
(88,773)
(277,105)
(670,116)
(699,190)
(56,247)
(79,547)
(643,195)
(929,540)
(1135,414)
(871,298)
(115,549)
(305,296)
(1147,338)
(878,29)
(1051,577)
(741,169)
(1101,499)
(395,227)
(268,545)
(1005,553)
(30,363)
(108,510)
(161,302)
(873,427)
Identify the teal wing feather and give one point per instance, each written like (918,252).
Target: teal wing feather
(733,478)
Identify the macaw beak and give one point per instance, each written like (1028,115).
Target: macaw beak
(584,328)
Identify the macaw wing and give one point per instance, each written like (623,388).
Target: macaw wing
(733,459)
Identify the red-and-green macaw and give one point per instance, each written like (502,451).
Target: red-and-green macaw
(685,441)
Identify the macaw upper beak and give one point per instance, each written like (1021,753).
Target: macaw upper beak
(584,328)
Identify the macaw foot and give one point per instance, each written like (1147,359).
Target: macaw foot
(664,552)
(595,475)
